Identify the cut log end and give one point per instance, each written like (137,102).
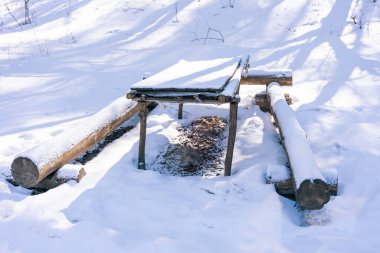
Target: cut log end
(312,194)
(25,172)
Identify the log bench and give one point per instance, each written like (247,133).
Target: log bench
(310,187)
(302,179)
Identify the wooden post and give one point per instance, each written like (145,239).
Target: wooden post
(180,110)
(231,138)
(143,116)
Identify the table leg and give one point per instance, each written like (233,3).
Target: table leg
(143,116)
(231,138)
(180,110)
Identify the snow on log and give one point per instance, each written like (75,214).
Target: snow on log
(310,187)
(265,77)
(30,167)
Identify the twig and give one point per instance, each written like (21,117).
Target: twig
(14,18)
(221,35)
(27,19)
(176,10)
(208,32)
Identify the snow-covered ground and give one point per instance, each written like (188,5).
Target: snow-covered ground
(77,56)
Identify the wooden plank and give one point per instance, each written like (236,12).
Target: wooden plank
(265,77)
(27,173)
(233,87)
(200,98)
(143,118)
(266,80)
(231,138)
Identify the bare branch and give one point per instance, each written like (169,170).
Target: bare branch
(176,10)
(14,18)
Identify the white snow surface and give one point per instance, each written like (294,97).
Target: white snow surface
(300,154)
(78,56)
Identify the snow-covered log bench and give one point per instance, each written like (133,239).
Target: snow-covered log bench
(30,167)
(265,77)
(309,185)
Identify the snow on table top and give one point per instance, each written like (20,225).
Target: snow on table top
(211,75)
(300,154)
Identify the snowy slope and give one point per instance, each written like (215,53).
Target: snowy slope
(78,56)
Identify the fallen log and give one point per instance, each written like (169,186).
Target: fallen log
(30,167)
(265,77)
(280,176)
(309,185)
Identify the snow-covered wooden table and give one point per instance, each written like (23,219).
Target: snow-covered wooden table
(205,82)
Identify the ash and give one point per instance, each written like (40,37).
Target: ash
(196,151)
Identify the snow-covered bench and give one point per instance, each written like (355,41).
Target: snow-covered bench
(213,81)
